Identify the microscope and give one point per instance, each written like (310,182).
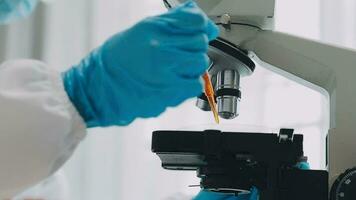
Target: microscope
(233,162)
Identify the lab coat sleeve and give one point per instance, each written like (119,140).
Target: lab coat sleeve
(39,126)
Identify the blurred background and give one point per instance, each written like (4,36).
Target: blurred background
(117,163)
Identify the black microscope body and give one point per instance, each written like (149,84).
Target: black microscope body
(232,162)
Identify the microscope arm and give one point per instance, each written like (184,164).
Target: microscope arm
(297,56)
(331,69)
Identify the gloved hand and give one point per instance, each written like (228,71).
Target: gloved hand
(207,195)
(141,71)
(303,165)
(11,10)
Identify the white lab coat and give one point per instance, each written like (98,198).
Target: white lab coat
(39,126)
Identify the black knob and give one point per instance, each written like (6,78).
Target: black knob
(344,188)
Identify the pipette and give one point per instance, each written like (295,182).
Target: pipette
(209,93)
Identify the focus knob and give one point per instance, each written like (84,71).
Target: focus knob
(344,187)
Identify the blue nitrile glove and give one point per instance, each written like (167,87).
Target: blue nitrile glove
(303,165)
(11,10)
(143,70)
(207,195)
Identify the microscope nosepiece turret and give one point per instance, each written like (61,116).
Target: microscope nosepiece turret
(228,65)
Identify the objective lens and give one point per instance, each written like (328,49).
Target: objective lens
(228,93)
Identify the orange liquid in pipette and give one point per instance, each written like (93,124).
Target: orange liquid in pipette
(209,93)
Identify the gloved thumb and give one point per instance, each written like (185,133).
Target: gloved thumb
(188,17)
(211,29)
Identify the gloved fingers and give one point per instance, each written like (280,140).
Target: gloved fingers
(254,195)
(192,67)
(185,89)
(173,96)
(208,195)
(186,18)
(189,88)
(212,30)
(303,165)
(198,42)
(181,62)
(152,110)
